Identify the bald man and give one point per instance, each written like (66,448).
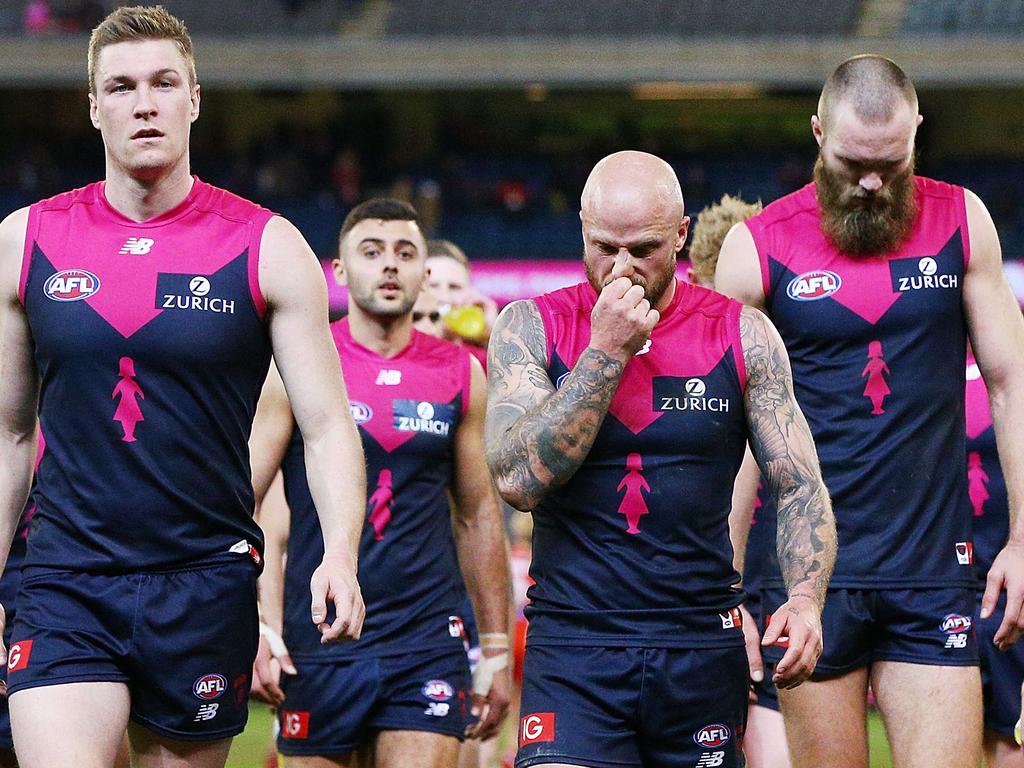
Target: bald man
(875,278)
(618,413)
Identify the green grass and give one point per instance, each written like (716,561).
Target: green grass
(250,749)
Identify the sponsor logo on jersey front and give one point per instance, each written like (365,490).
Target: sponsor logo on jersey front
(388,377)
(711,736)
(423,416)
(210,686)
(71,285)
(814,285)
(921,274)
(18,656)
(438,690)
(691,396)
(361,412)
(536,728)
(196,293)
(137,246)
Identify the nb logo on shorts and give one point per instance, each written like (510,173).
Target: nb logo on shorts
(536,728)
(437,709)
(711,759)
(206,712)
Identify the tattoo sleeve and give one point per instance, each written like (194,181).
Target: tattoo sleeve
(536,436)
(784,449)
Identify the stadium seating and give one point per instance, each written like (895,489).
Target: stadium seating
(964,17)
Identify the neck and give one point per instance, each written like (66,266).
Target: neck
(666,297)
(386,336)
(141,199)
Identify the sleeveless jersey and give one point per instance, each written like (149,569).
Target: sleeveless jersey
(408,408)
(877,346)
(634,550)
(152,349)
(986,486)
(10,581)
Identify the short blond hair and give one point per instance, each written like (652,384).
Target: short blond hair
(447,249)
(713,224)
(140,22)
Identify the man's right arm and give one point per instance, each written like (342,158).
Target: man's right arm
(536,436)
(19,389)
(738,274)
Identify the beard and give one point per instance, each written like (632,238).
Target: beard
(653,289)
(865,223)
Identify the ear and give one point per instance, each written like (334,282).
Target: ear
(195,103)
(817,129)
(94,117)
(684,228)
(338,267)
(920,119)
(691,276)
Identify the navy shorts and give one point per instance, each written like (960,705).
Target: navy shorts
(334,707)
(765,692)
(182,641)
(619,707)
(6,740)
(1001,675)
(918,626)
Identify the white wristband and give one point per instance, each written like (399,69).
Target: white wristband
(486,668)
(274,640)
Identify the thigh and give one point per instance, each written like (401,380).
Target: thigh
(694,707)
(579,707)
(847,629)
(57,724)
(193,646)
(826,721)
(153,750)
(927,626)
(932,714)
(403,749)
(764,741)
(427,692)
(327,709)
(1002,752)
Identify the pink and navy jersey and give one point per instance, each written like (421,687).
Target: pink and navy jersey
(877,346)
(10,581)
(986,486)
(634,550)
(151,347)
(408,408)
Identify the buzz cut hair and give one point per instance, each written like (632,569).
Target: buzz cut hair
(873,85)
(139,22)
(447,249)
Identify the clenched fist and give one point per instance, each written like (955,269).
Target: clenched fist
(622,320)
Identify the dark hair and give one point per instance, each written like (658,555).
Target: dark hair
(873,84)
(380,209)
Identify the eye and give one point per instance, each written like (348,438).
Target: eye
(119,88)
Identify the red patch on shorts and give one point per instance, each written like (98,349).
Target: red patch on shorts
(537,727)
(294,725)
(18,655)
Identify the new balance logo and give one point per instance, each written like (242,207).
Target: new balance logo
(137,246)
(206,712)
(388,377)
(711,759)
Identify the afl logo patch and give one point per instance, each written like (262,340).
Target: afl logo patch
(712,735)
(71,285)
(954,622)
(438,690)
(811,286)
(209,686)
(361,412)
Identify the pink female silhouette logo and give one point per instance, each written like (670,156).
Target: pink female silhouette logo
(876,388)
(129,412)
(633,505)
(380,503)
(977,483)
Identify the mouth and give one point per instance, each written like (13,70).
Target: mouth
(147,133)
(389,286)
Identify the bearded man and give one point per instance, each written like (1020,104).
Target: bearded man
(875,279)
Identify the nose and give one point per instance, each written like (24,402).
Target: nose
(623,264)
(145,106)
(871,182)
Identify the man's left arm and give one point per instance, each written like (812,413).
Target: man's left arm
(806,538)
(307,360)
(997,336)
(483,558)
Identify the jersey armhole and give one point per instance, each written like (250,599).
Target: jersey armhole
(466,385)
(757,235)
(549,336)
(736,342)
(965,229)
(27,250)
(258,227)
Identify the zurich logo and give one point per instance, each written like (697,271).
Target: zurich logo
(814,285)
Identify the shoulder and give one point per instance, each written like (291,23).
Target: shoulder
(933,188)
(12,248)
(232,206)
(697,299)
(786,210)
(433,349)
(572,298)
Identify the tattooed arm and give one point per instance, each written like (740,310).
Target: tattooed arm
(536,436)
(784,449)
